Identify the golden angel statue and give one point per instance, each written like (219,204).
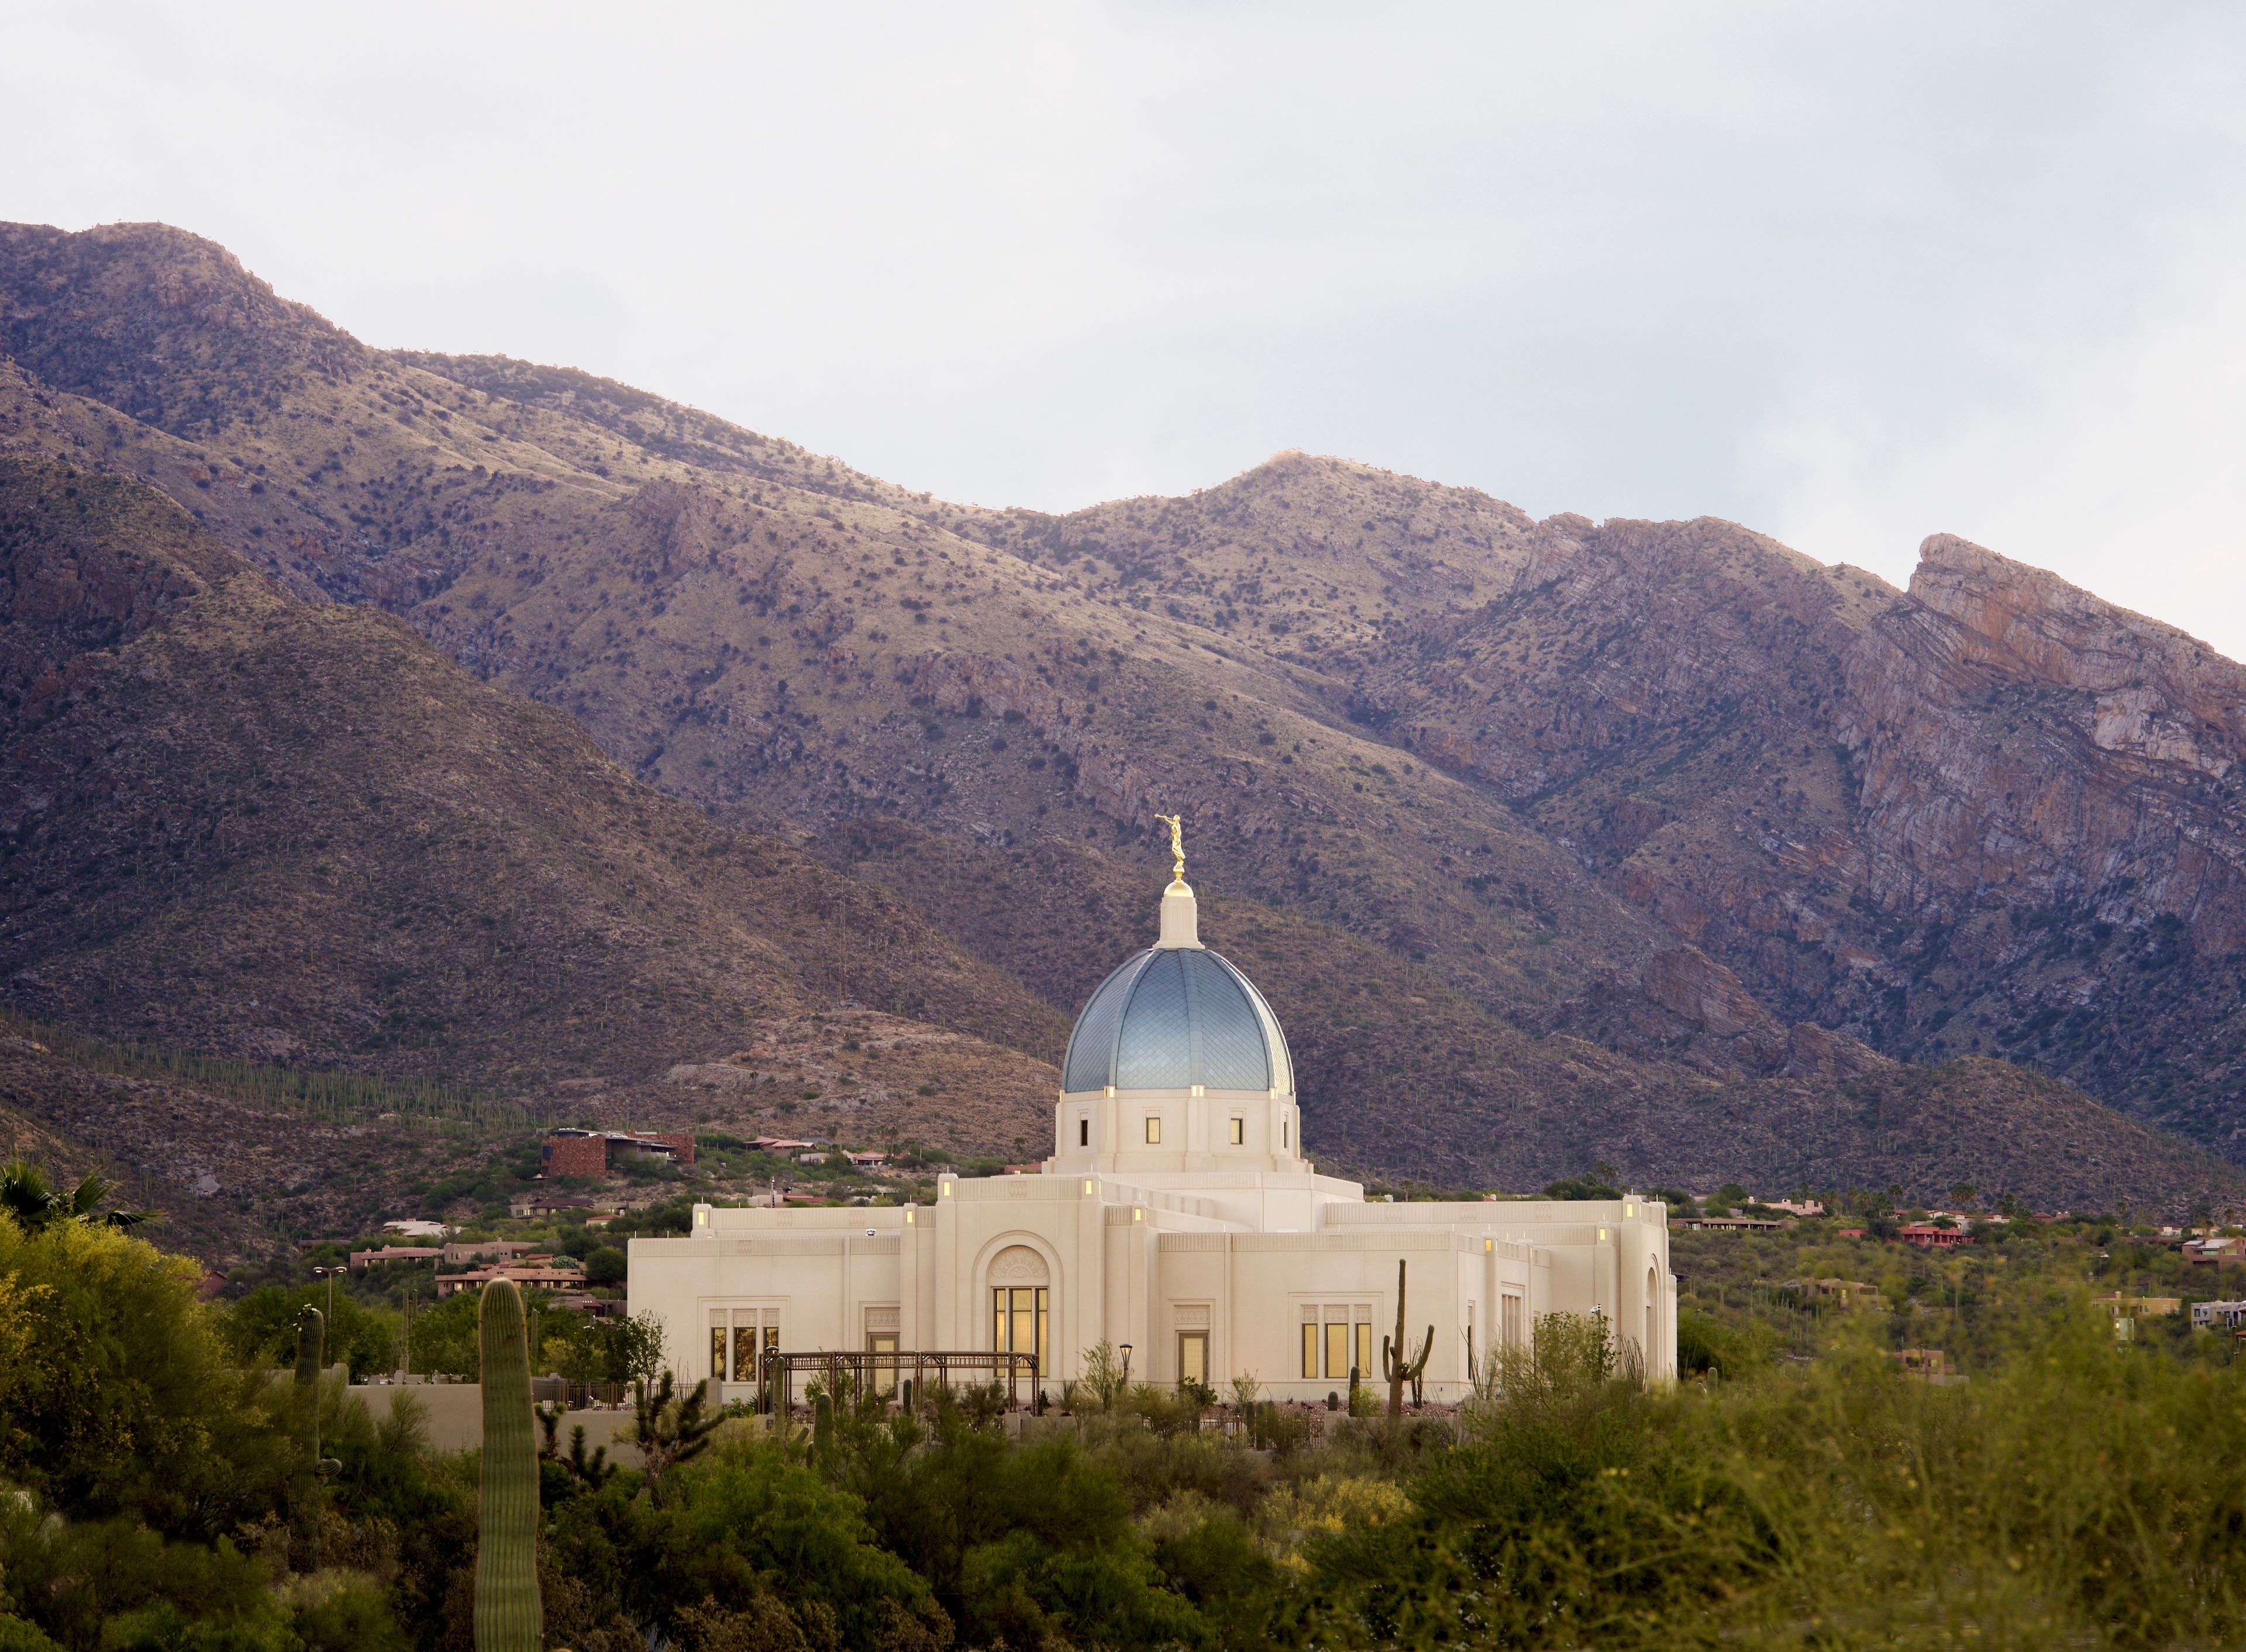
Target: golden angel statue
(1177,841)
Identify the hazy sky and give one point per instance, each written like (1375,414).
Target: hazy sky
(1848,274)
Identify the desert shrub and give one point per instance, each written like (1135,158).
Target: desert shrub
(91,1583)
(261,1329)
(1706,1346)
(120,1397)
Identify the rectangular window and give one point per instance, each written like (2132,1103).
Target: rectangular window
(716,1353)
(1084,1132)
(772,1332)
(1193,1357)
(884,1376)
(1021,1320)
(745,1351)
(1336,1348)
(1153,1128)
(1310,1347)
(1239,1132)
(1364,1348)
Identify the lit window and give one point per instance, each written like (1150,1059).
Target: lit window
(1310,1347)
(1193,1357)
(1153,1128)
(1239,1132)
(1020,1318)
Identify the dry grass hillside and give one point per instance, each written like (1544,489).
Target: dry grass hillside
(1508,759)
(295,832)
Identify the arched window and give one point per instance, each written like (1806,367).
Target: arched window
(1021,1305)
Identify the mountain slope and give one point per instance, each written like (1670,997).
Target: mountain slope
(1990,815)
(244,823)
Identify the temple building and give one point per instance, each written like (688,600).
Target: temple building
(1176,1215)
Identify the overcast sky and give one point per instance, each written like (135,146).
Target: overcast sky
(1847,274)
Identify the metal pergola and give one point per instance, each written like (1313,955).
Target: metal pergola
(779,1374)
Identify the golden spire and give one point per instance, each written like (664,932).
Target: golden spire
(1177,841)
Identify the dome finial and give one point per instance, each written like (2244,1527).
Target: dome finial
(1180,917)
(1177,841)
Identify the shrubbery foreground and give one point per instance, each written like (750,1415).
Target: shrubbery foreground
(2078,1491)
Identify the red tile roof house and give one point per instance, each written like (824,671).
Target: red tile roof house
(595,1153)
(1928,1237)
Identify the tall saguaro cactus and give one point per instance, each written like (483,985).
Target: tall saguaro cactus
(509,1617)
(304,1419)
(1398,1369)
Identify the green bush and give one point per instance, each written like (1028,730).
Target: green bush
(1707,1346)
(261,1328)
(17,1636)
(120,1395)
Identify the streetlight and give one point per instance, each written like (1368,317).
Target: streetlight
(331,1273)
(1127,1366)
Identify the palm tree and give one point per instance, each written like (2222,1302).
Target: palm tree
(24,1195)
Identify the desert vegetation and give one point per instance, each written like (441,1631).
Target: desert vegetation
(1801,1486)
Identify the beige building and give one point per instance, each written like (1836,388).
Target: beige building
(1175,1214)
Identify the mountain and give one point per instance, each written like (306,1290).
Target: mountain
(1519,774)
(294,831)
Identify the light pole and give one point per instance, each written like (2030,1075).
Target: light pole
(331,1273)
(1127,1367)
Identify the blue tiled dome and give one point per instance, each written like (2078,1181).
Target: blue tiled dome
(1174,1016)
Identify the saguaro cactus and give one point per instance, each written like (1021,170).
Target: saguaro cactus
(509,1617)
(304,1417)
(1398,1369)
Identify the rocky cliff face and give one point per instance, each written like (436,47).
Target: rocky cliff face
(1993,813)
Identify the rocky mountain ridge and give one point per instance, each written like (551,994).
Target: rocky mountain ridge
(1522,759)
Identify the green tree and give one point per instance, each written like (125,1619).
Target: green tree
(441,1337)
(261,1328)
(121,1397)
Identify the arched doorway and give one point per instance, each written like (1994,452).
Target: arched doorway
(1021,1305)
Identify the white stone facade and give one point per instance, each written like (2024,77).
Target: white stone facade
(1176,1216)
